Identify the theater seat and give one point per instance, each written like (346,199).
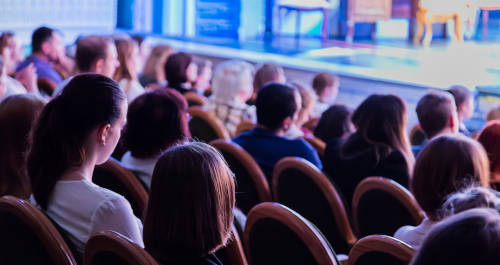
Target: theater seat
(204,126)
(383,250)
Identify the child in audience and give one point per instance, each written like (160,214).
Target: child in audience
(326,86)
(267,73)
(379,147)
(276,109)
(438,173)
(153,72)
(231,88)
(471,237)
(490,139)
(17,116)
(76,131)
(464,101)
(334,123)
(190,208)
(155,122)
(181,72)
(306,105)
(127,72)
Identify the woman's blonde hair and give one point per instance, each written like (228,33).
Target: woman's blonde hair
(155,64)
(125,49)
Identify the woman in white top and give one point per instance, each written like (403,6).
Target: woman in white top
(127,73)
(76,131)
(446,165)
(155,121)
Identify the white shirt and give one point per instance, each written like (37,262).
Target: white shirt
(415,235)
(131,88)
(82,208)
(319,108)
(13,87)
(143,166)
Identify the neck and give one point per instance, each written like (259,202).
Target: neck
(82,172)
(278,132)
(41,56)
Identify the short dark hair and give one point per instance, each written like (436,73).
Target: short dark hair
(275,102)
(434,111)
(175,68)
(190,208)
(89,49)
(155,121)
(87,102)
(335,122)
(470,237)
(461,94)
(40,36)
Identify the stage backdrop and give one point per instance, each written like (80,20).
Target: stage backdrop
(218,18)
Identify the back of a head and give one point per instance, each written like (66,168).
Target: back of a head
(275,102)
(268,73)
(471,237)
(335,122)
(155,121)
(460,94)
(323,80)
(125,49)
(381,121)
(154,66)
(434,112)
(18,114)
(232,79)
(87,102)
(192,196)
(493,114)
(89,50)
(470,198)
(175,68)
(447,164)
(490,139)
(40,36)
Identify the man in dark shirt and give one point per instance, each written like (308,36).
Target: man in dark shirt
(47,51)
(276,110)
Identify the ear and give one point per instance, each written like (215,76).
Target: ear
(286,123)
(452,122)
(102,134)
(99,64)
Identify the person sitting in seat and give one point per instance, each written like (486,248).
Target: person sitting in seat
(464,102)
(276,111)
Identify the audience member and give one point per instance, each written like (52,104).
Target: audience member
(155,122)
(439,173)
(190,208)
(276,107)
(144,50)
(26,79)
(3,78)
(18,114)
(490,139)
(202,84)
(76,131)
(493,114)
(437,115)
(471,237)
(127,72)
(94,54)
(470,198)
(47,52)
(267,73)
(464,101)
(379,147)
(307,101)
(326,86)
(181,72)
(16,55)
(334,123)
(294,131)
(231,88)
(153,72)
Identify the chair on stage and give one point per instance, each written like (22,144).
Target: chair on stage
(111,248)
(381,206)
(252,186)
(29,237)
(111,175)
(300,186)
(205,126)
(306,6)
(378,249)
(275,234)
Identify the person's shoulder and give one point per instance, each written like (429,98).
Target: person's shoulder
(102,194)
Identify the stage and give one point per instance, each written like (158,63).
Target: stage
(366,67)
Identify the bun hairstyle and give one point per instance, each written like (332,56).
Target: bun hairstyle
(87,102)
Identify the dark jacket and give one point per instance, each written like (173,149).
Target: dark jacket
(347,162)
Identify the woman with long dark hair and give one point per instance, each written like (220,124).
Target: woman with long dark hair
(76,131)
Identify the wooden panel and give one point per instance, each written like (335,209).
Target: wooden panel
(369,10)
